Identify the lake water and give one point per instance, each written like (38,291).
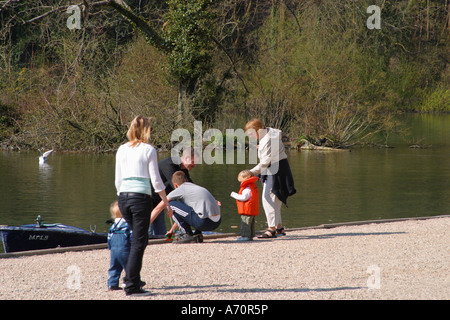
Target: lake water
(364,184)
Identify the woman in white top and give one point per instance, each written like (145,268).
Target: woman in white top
(275,172)
(136,166)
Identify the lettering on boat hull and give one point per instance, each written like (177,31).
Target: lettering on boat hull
(38,237)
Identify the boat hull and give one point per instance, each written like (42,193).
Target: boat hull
(33,237)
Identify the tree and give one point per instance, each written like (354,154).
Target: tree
(189,29)
(186,38)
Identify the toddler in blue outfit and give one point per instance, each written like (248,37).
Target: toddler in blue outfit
(119,242)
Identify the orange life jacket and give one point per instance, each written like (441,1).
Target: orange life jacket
(251,206)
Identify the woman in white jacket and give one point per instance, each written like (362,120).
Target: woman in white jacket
(136,166)
(275,173)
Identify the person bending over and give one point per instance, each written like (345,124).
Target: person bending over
(193,207)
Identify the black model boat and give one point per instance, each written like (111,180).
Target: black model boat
(46,236)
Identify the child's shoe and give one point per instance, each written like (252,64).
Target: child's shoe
(244,239)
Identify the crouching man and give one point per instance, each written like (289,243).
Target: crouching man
(193,207)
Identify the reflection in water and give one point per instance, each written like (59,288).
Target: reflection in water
(45,171)
(77,189)
(45,190)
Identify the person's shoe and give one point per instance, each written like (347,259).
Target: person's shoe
(185,238)
(114,288)
(244,239)
(198,237)
(268,234)
(137,292)
(281,232)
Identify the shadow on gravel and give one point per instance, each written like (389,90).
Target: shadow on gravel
(187,290)
(290,289)
(335,235)
(303,237)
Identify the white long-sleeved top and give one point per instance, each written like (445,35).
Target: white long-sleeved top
(244,196)
(266,153)
(138,162)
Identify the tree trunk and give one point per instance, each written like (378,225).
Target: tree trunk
(185,92)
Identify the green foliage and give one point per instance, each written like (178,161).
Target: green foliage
(311,68)
(188,29)
(436,101)
(327,75)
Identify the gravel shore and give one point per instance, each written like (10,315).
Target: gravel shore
(396,260)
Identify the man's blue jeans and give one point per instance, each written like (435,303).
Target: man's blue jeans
(186,218)
(158,227)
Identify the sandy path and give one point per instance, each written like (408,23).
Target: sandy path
(397,260)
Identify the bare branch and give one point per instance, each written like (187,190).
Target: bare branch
(6,3)
(64,8)
(121,7)
(233,65)
(151,35)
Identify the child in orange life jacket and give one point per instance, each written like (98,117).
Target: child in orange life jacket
(247,201)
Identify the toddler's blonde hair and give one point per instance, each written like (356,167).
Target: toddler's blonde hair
(244,174)
(115,211)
